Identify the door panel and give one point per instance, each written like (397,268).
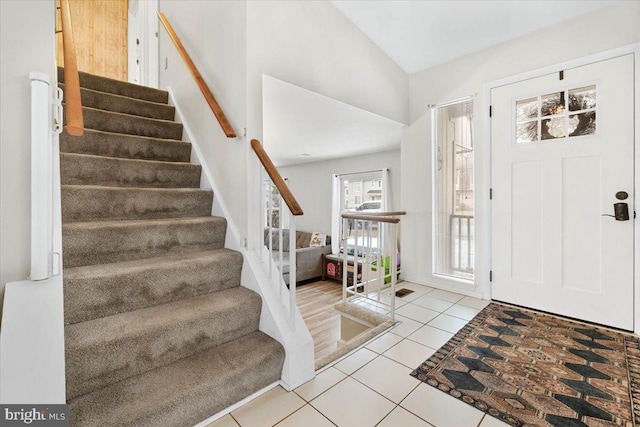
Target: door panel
(100,32)
(551,247)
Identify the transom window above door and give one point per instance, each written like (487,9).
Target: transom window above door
(557,115)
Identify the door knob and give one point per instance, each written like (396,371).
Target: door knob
(621,211)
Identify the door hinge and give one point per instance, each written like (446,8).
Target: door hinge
(491,275)
(491,194)
(561,75)
(490,110)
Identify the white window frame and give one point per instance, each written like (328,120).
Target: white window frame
(434,192)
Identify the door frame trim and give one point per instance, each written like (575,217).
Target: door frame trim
(484,206)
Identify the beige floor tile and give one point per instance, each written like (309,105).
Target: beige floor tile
(448,323)
(389,378)
(489,421)
(462,312)
(226,421)
(432,303)
(400,417)
(431,337)
(386,298)
(409,353)
(446,295)
(306,416)
(472,302)
(351,404)
(406,327)
(421,289)
(356,361)
(322,382)
(384,343)
(268,409)
(417,313)
(440,409)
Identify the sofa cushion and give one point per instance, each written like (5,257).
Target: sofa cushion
(302,239)
(275,238)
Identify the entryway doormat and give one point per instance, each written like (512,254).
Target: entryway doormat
(532,369)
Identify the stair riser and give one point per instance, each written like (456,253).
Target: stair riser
(93,294)
(132,125)
(117,87)
(125,146)
(93,367)
(95,243)
(87,203)
(187,391)
(93,170)
(122,104)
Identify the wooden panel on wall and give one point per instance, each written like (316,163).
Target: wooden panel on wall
(100,30)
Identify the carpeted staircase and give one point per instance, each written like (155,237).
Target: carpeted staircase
(158,331)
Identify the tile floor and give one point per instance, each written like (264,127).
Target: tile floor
(372,386)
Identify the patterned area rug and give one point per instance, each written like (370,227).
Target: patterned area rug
(532,369)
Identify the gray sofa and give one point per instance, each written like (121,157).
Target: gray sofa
(308,259)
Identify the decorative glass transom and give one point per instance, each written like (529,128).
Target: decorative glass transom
(556,115)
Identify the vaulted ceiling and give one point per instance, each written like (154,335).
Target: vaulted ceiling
(418,34)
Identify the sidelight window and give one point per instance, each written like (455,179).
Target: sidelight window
(454,190)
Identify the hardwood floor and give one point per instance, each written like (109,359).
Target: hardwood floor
(315,301)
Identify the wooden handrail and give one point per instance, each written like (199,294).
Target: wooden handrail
(208,96)
(393,213)
(74,118)
(368,217)
(275,176)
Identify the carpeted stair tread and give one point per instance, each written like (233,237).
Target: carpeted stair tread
(187,391)
(158,330)
(131,90)
(86,169)
(110,144)
(102,290)
(103,242)
(134,125)
(109,349)
(98,203)
(123,104)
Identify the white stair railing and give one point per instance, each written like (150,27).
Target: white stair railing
(370,253)
(279,226)
(278,231)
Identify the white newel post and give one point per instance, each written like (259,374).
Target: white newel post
(45,179)
(41,172)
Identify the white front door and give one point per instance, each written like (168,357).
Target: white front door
(562,156)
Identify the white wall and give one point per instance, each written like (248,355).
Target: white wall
(311,185)
(214,34)
(614,26)
(27,44)
(311,44)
